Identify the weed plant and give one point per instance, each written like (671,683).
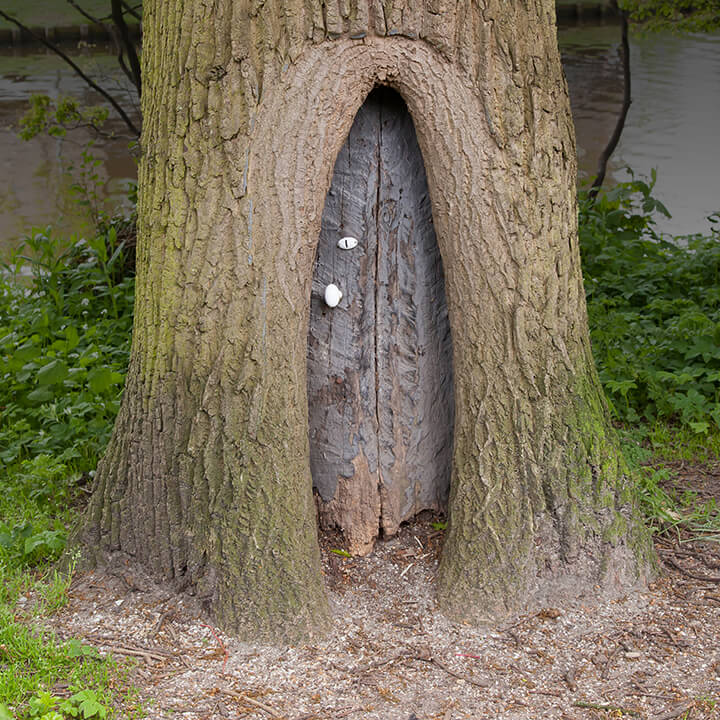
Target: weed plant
(65,326)
(654,310)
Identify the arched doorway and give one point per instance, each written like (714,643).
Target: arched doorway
(380,378)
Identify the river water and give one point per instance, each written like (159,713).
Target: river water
(674,120)
(36,176)
(673,125)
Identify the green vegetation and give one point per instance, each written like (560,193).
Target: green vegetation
(678,15)
(654,311)
(54,116)
(65,324)
(33,659)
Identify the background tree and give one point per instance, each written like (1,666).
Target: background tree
(680,15)
(206,480)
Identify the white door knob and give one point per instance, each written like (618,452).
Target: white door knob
(332,295)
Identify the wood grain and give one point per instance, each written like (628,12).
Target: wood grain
(380,364)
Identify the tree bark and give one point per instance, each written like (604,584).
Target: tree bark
(246,105)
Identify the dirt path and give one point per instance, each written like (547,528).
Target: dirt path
(654,654)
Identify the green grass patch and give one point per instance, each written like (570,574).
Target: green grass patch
(36,666)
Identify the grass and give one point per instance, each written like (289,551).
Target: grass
(36,668)
(652,453)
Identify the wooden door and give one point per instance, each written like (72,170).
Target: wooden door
(380,386)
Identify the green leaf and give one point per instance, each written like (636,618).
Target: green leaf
(69,708)
(77,649)
(26,352)
(54,372)
(342,553)
(100,379)
(32,543)
(5,713)
(42,703)
(41,395)
(87,702)
(72,337)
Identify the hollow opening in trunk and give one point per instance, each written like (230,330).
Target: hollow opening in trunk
(380,376)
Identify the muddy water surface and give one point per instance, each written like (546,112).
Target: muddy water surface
(36,176)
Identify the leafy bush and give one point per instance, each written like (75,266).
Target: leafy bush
(65,325)
(678,15)
(654,310)
(64,345)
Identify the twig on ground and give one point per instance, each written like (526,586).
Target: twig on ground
(459,676)
(675,712)
(689,574)
(113,644)
(161,620)
(379,663)
(611,708)
(346,712)
(251,701)
(117,650)
(222,646)
(606,670)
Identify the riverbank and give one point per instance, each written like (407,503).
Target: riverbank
(62,35)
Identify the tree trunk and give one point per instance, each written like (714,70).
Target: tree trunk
(246,106)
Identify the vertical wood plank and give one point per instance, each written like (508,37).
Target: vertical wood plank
(414,350)
(341,347)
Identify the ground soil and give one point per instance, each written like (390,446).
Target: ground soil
(654,654)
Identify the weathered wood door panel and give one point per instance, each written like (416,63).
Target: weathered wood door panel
(380,389)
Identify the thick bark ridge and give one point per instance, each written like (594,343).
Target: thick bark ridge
(246,105)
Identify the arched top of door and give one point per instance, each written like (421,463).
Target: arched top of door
(312,105)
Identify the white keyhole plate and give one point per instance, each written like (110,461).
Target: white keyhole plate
(347,243)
